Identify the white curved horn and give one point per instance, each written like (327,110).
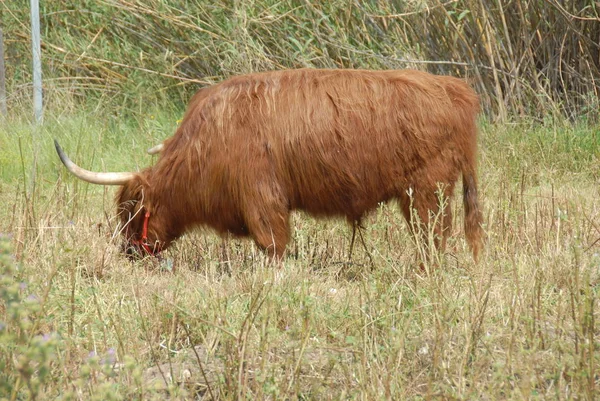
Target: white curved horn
(156,149)
(90,176)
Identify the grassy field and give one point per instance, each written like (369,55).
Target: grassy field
(79,321)
(215,320)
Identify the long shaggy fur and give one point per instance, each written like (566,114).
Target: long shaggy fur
(330,142)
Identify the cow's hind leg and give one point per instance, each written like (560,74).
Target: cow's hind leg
(429,215)
(357,226)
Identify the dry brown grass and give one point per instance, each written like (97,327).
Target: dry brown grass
(522,324)
(227,325)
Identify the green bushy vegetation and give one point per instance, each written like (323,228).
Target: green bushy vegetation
(215,320)
(526,58)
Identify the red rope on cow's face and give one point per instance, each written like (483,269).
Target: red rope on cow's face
(143,242)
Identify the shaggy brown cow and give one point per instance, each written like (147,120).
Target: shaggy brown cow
(330,142)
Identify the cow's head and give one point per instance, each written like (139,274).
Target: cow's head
(142,224)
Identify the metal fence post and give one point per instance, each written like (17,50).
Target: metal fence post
(37,64)
(2,77)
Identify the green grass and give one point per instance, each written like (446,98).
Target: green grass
(79,321)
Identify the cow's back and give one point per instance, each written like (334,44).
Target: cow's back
(334,142)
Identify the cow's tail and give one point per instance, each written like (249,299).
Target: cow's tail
(473,219)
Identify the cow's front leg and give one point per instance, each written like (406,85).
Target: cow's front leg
(270,230)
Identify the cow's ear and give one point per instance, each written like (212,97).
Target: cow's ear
(132,192)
